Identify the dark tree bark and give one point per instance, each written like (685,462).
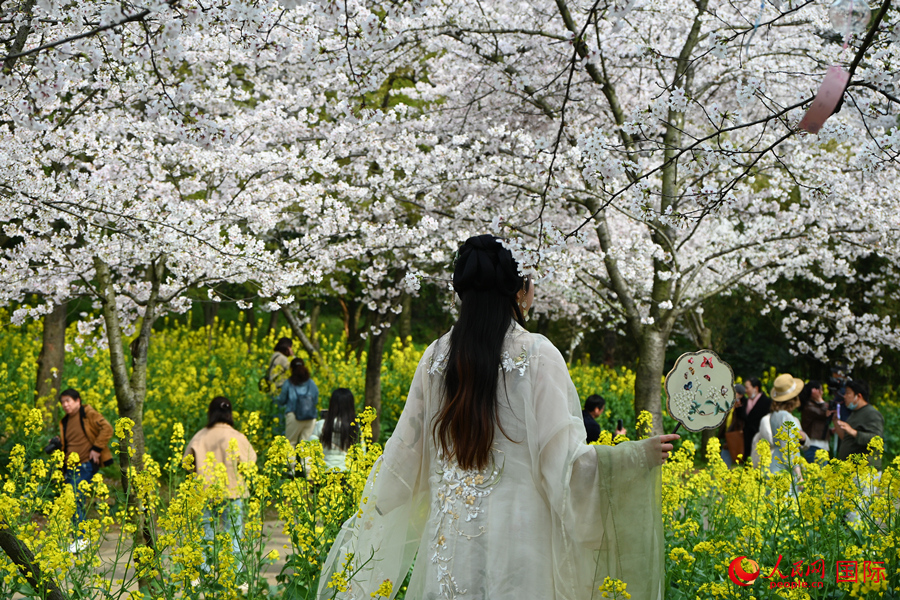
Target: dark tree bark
(22,557)
(250,315)
(26,11)
(210,312)
(352,312)
(647,386)
(405,322)
(273,324)
(374,358)
(314,325)
(52,358)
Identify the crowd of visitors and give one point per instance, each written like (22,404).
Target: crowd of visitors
(85,435)
(849,420)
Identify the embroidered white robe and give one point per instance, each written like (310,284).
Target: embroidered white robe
(549,518)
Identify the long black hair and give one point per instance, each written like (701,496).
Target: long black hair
(487,279)
(340,420)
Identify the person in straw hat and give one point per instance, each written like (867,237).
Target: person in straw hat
(785,398)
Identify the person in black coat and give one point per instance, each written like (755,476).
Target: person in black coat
(593,408)
(752,410)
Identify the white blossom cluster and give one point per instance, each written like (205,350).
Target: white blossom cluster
(641,156)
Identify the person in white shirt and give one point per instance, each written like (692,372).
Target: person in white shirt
(785,392)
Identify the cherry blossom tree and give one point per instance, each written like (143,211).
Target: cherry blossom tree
(645,155)
(660,141)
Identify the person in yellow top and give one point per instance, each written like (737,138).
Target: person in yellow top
(211,446)
(84,433)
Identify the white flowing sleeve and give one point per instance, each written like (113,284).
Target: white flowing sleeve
(382,538)
(606,501)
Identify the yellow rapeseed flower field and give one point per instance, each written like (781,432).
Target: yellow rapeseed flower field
(730,533)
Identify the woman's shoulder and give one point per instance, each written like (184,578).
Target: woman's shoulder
(534,345)
(434,359)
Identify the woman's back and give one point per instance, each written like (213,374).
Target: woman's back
(335,457)
(486,479)
(473,513)
(530,523)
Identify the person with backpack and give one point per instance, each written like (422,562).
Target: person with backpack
(84,433)
(300,399)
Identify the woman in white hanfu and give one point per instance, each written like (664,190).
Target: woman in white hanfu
(487,482)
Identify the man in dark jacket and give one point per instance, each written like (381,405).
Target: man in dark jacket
(752,410)
(593,408)
(84,435)
(864,423)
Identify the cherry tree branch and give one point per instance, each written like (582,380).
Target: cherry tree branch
(140,16)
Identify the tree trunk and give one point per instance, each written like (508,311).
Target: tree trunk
(251,328)
(297,331)
(25,14)
(210,312)
(351,326)
(405,322)
(273,324)
(52,357)
(610,346)
(373,377)
(647,386)
(314,325)
(131,390)
(22,557)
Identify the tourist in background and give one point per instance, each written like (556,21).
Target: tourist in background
(279,366)
(731,431)
(83,434)
(815,419)
(593,410)
(785,392)
(863,424)
(209,447)
(338,430)
(299,398)
(751,412)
